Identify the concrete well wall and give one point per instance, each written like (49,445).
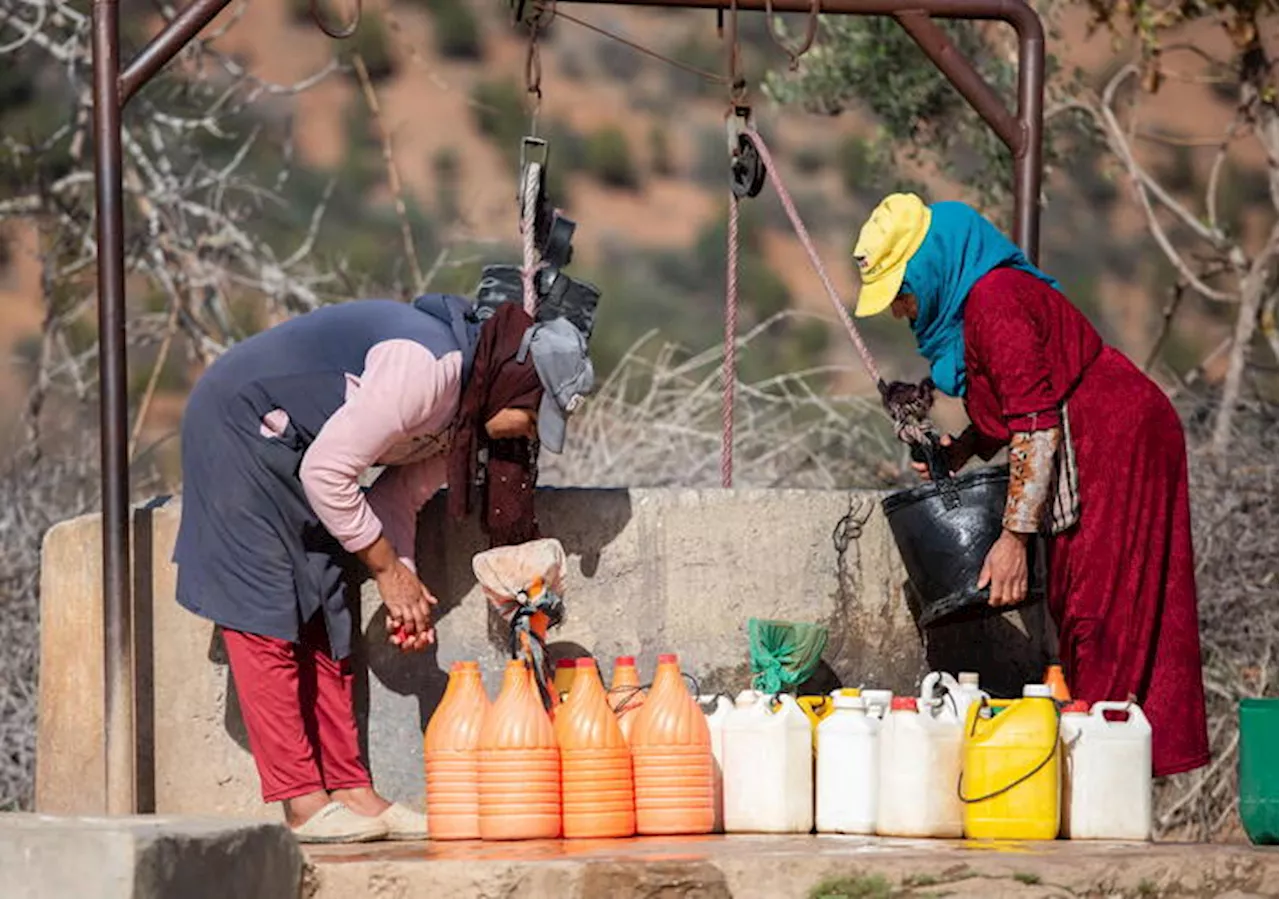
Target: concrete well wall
(650,570)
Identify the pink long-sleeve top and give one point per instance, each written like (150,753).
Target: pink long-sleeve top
(397,413)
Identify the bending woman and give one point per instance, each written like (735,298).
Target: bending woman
(275,436)
(1097,458)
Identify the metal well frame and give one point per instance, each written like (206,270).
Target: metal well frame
(1021,131)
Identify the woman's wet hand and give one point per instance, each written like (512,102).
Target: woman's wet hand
(408,603)
(1005,569)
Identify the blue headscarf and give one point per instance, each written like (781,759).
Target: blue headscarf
(960,247)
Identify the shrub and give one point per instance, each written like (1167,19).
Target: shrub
(660,151)
(609,159)
(370,41)
(457,30)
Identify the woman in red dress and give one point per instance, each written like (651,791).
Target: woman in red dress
(1097,458)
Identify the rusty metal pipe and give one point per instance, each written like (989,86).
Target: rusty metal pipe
(1030,114)
(1029,163)
(165,45)
(118,719)
(966,79)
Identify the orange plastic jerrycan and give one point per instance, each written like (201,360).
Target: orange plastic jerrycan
(625,695)
(595,762)
(671,756)
(563,679)
(519,763)
(451,753)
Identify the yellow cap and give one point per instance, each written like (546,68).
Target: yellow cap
(885,245)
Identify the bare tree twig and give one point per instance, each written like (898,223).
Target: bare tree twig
(162,356)
(393,173)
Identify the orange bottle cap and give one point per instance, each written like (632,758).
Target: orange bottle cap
(585,662)
(668,658)
(625,660)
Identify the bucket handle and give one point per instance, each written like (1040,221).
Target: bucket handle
(930,452)
(970,800)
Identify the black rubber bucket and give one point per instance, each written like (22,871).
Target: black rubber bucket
(944,530)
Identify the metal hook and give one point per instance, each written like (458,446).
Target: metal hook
(342,34)
(810,31)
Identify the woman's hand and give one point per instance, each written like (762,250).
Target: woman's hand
(408,603)
(1005,569)
(956,450)
(407,600)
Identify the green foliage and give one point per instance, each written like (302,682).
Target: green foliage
(300,10)
(619,62)
(811,159)
(499,110)
(447,169)
(866,887)
(371,42)
(700,53)
(867,167)
(869,62)
(457,31)
(609,159)
(660,151)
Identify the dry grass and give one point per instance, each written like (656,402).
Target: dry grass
(656,421)
(35,493)
(1234,510)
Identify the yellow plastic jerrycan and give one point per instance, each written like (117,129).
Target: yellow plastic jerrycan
(817,708)
(1011,785)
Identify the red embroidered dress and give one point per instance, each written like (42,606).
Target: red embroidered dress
(1122,580)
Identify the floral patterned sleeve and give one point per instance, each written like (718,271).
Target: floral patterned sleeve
(1031,467)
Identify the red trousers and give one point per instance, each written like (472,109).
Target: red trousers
(296,702)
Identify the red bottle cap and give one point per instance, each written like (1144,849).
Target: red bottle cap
(668,658)
(904,704)
(585,662)
(625,660)
(1079,707)
(566,663)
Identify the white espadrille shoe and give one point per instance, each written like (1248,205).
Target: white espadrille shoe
(403,823)
(335,823)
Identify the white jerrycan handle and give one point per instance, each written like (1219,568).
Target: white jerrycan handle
(951,689)
(713,703)
(1132,709)
(877,702)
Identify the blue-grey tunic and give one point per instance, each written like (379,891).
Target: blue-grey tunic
(251,553)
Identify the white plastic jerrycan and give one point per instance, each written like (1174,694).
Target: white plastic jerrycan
(716,709)
(848,768)
(877,702)
(949,696)
(768,766)
(1106,781)
(920,756)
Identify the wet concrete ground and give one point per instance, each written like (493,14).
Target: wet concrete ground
(778,867)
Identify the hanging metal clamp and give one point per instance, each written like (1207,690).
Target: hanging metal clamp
(746,168)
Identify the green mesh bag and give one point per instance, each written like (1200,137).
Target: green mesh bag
(784,654)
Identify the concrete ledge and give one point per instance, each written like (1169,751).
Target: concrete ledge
(774,867)
(650,571)
(43,857)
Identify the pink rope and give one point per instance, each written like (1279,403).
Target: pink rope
(729,374)
(803,233)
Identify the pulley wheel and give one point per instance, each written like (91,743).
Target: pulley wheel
(747,171)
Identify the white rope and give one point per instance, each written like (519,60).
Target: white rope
(529,212)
